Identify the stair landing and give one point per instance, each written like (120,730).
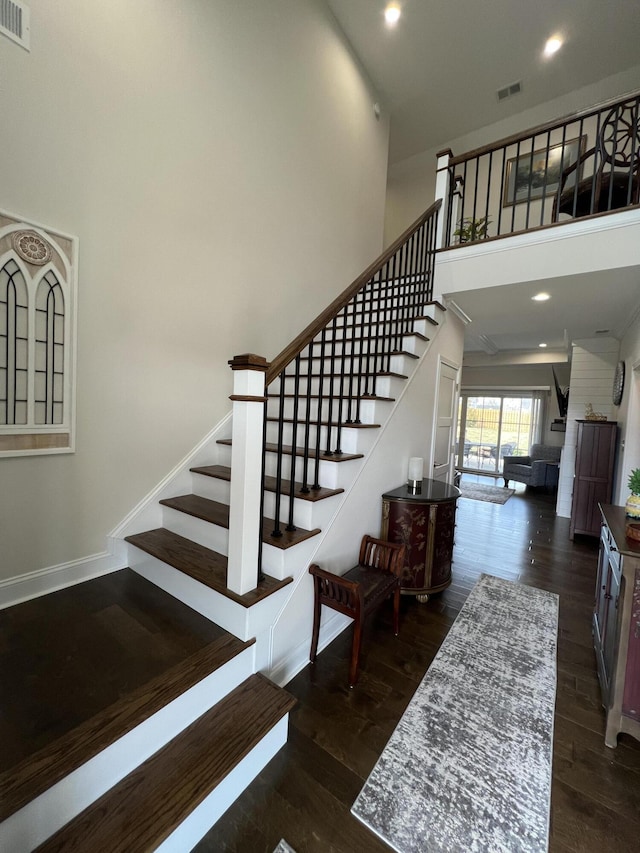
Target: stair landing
(82,666)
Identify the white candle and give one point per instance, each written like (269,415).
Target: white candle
(416,468)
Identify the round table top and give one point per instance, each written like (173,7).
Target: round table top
(433,491)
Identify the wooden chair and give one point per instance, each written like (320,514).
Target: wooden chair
(615,178)
(359,591)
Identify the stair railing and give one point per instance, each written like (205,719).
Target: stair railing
(318,382)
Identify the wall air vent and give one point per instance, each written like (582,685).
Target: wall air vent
(508,91)
(14,22)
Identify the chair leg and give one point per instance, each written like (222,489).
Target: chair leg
(355,653)
(506,483)
(316,624)
(396,611)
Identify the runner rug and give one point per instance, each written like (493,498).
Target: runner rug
(492,494)
(468,767)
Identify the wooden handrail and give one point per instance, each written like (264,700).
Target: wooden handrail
(307,335)
(541,128)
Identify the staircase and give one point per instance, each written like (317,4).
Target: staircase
(327,401)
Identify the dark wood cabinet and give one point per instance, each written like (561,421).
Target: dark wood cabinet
(593,479)
(424,523)
(616,625)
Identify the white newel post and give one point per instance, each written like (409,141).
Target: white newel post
(245,522)
(442,192)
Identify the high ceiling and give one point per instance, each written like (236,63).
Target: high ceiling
(438,72)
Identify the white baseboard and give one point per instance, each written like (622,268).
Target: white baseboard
(298,657)
(43,581)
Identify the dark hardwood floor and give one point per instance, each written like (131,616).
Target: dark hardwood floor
(336,734)
(70,655)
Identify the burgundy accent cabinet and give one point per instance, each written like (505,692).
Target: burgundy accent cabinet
(424,523)
(616,625)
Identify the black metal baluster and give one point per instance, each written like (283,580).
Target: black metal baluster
(515,186)
(316,475)
(546,175)
(332,363)
(501,199)
(343,359)
(277,532)
(294,442)
(307,425)
(352,360)
(486,207)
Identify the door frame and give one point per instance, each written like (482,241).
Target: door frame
(444,361)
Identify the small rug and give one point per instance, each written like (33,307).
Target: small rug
(283,847)
(468,767)
(492,494)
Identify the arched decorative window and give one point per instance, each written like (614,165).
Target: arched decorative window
(37,338)
(49,352)
(14,353)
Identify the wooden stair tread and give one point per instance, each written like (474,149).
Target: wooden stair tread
(336,397)
(200,563)
(360,338)
(342,425)
(38,772)
(143,809)
(346,376)
(222,472)
(299,451)
(218,513)
(355,355)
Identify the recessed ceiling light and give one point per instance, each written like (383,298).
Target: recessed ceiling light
(392,14)
(553,44)
(542,345)
(541,297)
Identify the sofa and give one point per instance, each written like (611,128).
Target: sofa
(533,470)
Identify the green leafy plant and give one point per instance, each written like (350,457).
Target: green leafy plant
(634,481)
(471,230)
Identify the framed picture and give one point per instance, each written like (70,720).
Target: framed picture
(530,177)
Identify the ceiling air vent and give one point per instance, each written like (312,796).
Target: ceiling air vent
(14,22)
(508,91)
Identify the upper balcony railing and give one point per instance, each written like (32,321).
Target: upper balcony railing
(585,164)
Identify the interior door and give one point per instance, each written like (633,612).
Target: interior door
(442,451)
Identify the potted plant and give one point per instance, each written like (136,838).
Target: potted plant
(633,501)
(471,230)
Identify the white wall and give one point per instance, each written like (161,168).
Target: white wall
(628,412)
(592,367)
(411,182)
(221,163)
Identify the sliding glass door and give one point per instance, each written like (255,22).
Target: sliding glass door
(491,426)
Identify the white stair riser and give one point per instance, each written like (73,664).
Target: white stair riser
(211,487)
(40,818)
(380,385)
(344,412)
(202,818)
(282,563)
(371,411)
(307,514)
(351,440)
(332,475)
(243,622)
(370,362)
(202,532)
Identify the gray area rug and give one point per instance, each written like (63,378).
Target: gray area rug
(283,847)
(492,494)
(468,768)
